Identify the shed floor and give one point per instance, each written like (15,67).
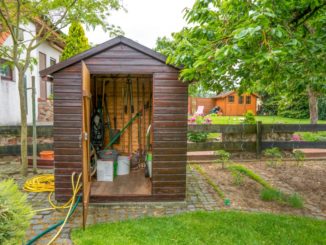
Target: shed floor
(134,184)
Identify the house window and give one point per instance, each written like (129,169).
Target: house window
(240,99)
(52,61)
(248,100)
(5,70)
(231,98)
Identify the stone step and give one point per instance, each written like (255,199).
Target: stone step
(201,156)
(313,153)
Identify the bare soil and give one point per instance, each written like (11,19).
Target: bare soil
(308,180)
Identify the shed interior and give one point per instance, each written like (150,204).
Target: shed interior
(118,100)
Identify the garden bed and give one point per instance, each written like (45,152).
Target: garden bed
(307,180)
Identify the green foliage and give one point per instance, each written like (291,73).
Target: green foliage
(294,200)
(249,118)
(216,188)
(223,157)
(313,136)
(298,156)
(198,136)
(322,108)
(269,44)
(15,213)
(275,155)
(293,105)
(76,41)
(247,172)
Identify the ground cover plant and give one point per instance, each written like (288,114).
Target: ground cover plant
(15,213)
(207,228)
(269,193)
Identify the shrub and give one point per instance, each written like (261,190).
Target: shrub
(298,156)
(15,213)
(224,157)
(275,154)
(198,136)
(322,108)
(249,118)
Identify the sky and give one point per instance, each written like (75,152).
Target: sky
(145,20)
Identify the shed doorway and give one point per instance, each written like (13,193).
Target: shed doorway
(121,115)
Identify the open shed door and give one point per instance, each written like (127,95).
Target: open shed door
(86,79)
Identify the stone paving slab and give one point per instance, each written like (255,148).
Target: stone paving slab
(200,196)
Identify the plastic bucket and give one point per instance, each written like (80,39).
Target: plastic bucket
(47,155)
(123,165)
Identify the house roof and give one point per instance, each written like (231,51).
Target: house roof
(226,93)
(3,37)
(101,47)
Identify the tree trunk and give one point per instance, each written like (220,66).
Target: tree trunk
(313,105)
(23,116)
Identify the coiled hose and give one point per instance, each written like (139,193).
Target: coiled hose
(45,183)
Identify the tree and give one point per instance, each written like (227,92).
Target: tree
(49,16)
(76,41)
(279,44)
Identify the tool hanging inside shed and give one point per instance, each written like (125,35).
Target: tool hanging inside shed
(114,131)
(140,150)
(97,123)
(123,117)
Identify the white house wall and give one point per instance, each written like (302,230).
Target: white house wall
(9,96)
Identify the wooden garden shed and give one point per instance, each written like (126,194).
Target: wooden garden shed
(77,83)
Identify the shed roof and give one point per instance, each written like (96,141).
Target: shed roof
(226,93)
(104,46)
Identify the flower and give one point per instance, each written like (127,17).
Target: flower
(296,137)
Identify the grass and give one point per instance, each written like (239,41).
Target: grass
(250,174)
(207,228)
(263,119)
(217,189)
(293,200)
(269,193)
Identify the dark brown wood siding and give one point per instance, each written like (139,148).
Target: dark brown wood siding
(170,97)
(122,59)
(169,121)
(67,128)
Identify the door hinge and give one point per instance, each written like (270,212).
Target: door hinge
(85,136)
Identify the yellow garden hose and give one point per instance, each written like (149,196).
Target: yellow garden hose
(45,183)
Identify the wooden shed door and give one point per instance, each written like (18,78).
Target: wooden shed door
(86,141)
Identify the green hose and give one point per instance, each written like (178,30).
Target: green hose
(52,227)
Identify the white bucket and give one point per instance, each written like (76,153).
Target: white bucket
(123,165)
(104,170)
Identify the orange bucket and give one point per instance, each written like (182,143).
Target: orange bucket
(47,155)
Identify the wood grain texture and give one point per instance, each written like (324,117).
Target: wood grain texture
(169,117)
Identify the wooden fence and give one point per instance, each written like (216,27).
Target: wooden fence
(258,130)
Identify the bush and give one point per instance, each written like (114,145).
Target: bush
(249,118)
(224,157)
(15,213)
(322,108)
(199,136)
(294,105)
(275,154)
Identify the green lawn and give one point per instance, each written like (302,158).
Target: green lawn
(207,228)
(264,119)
